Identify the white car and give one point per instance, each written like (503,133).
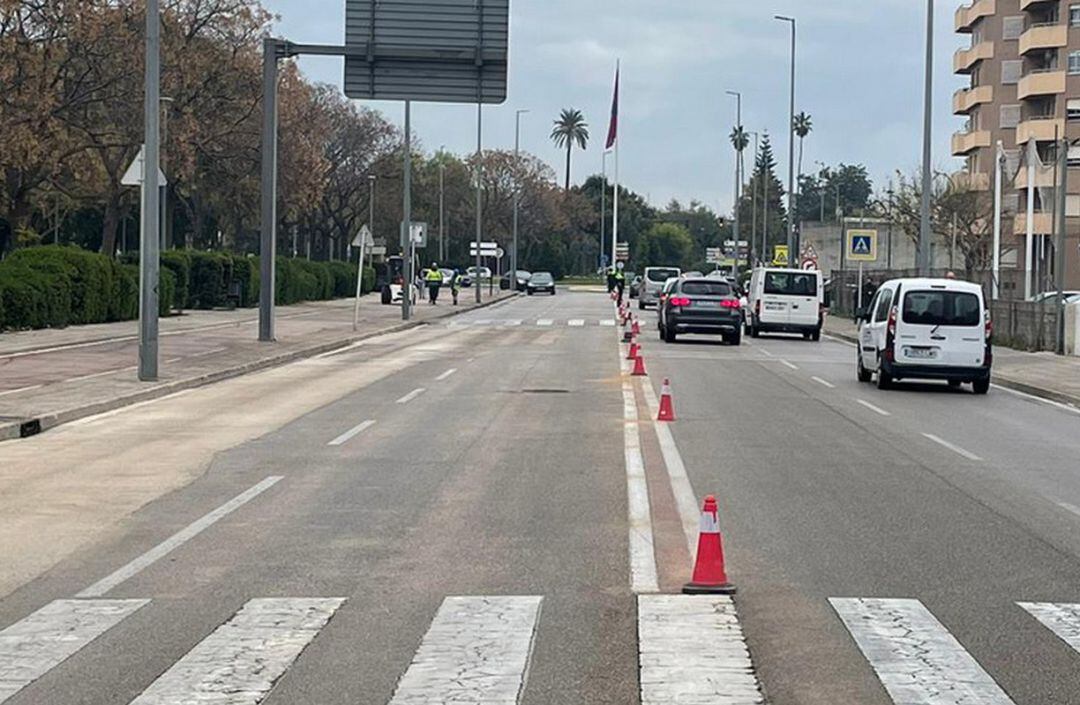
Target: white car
(785,301)
(926,329)
(485,273)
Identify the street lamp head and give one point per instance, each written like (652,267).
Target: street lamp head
(784,18)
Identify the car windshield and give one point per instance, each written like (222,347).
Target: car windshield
(941,308)
(703,288)
(791,283)
(659,276)
(541,278)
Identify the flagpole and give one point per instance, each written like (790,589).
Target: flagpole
(615,213)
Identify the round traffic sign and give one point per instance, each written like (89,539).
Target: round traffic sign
(809,264)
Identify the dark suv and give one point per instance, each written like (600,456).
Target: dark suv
(701,306)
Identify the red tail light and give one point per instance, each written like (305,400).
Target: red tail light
(989,326)
(730,303)
(890,336)
(891,329)
(680,301)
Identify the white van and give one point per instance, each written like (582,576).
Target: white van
(785,301)
(652,283)
(926,329)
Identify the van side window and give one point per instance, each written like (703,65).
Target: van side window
(884,302)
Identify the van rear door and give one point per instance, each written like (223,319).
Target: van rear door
(941,326)
(790,297)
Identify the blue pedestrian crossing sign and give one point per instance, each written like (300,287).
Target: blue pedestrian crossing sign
(862,245)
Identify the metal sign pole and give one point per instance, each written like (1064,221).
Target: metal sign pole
(479,192)
(268,234)
(149,245)
(406,226)
(359,282)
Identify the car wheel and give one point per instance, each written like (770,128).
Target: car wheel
(884,381)
(954,384)
(806,336)
(861,372)
(735,338)
(529,292)
(816,335)
(641,305)
(386,296)
(754,332)
(669,335)
(981,386)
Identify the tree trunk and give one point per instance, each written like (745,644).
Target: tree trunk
(110,223)
(569,148)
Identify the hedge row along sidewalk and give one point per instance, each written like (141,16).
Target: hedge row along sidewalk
(55,286)
(46,387)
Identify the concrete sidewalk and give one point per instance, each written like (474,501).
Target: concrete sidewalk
(50,377)
(1041,374)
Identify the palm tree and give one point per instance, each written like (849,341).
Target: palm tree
(803,127)
(570,129)
(740,140)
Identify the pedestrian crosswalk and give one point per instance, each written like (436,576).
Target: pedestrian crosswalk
(532,323)
(477,650)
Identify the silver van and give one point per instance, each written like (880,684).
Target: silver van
(652,284)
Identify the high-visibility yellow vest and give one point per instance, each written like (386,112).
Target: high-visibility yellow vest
(434,275)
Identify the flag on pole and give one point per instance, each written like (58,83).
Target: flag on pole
(613,126)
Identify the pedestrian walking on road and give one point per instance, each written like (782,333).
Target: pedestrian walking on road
(620,284)
(455,285)
(610,280)
(434,281)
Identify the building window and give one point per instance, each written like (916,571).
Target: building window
(1073,109)
(1074,15)
(1074,62)
(1009,116)
(1011,70)
(1074,155)
(1013,27)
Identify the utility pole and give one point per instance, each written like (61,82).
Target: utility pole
(149,255)
(925,226)
(370,214)
(738,171)
(1059,250)
(479,191)
(517,198)
(406,225)
(791,149)
(753,205)
(995,255)
(268,197)
(442,211)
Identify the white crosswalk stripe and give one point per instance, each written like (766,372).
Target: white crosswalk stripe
(240,661)
(607,322)
(476,652)
(692,650)
(35,645)
(915,657)
(576,323)
(545,323)
(1062,619)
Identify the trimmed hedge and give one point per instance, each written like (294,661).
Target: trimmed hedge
(179,263)
(245,276)
(211,273)
(89,275)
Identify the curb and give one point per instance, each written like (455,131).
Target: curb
(26,427)
(998,380)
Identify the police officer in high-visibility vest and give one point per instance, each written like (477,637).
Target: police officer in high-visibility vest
(620,283)
(433,281)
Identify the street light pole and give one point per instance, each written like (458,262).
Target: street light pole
(753,206)
(371,213)
(479,192)
(738,171)
(442,211)
(148,246)
(924,223)
(791,148)
(517,197)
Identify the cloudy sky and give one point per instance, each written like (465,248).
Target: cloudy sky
(860,78)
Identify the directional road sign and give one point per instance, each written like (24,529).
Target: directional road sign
(862,245)
(487,249)
(713,255)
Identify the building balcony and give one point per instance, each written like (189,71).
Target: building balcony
(968,15)
(967,98)
(966,181)
(1044,82)
(965,142)
(1040,129)
(964,60)
(1025,4)
(1044,36)
(1044,177)
(1043,223)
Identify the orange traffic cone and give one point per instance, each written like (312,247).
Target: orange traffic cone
(709,575)
(634,349)
(627,334)
(639,365)
(667,411)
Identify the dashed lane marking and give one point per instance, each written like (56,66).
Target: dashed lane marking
(241,660)
(352,433)
(411,395)
(824,383)
(35,645)
(476,652)
(446,374)
(876,409)
(789,365)
(178,539)
(953,447)
(915,657)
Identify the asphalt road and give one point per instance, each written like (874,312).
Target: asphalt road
(461,527)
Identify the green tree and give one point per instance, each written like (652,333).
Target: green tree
(665,244)
(803,127)
(570,129)
(764,194)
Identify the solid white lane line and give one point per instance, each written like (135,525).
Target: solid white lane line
(1069,507)
(692,650)
(824,383)
(1049,402)
(575,323)
(476,652)
(685,500)
(954,448)
(21,389)
(178,539)
(785,363)
(352,432)
(411,395)
(876,409)
(916,658)
(1061,618)
(545,322)
(241,660)
(446,374)
(32,647)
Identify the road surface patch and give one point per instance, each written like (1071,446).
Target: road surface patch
(352,433)
(476,652)
(692,650)
(33,646)
(241,660)
(914,656)
(1062,619)
(178,539)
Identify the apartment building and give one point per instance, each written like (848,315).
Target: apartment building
(1023,69)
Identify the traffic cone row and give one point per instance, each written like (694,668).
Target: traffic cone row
(710,576)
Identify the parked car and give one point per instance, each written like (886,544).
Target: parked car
(786,301)
(540,282)
(926,329)
(1050,297)
(653,283)
(700,305)
(485,273)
